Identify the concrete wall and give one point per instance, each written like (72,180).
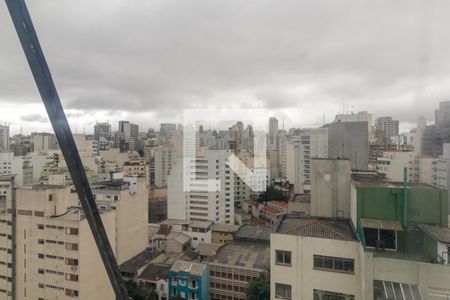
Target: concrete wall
(330,188)
(349,140)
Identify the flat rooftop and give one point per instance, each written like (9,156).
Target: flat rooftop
(372,179)
(243,254)
(329,228)
(418,257)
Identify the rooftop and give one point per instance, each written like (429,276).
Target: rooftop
(190,267)
(137,262)
(208,249)
(330,228)
(441,234)
(154,272)
(377,180)
(46,186)
(225,227)
(244,254)
(254,233)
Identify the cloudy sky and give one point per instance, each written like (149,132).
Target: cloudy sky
(146,60)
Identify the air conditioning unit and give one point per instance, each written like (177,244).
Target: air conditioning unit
(74,268)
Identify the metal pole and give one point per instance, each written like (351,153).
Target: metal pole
(41,73)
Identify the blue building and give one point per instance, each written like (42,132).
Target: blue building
(188,280)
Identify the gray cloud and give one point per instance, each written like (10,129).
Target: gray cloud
(34,118)
(161,56)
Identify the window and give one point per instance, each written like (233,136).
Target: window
(334,264)
(380,238)
(40,226)
(71,293)
(71,261)
(325,295)
(71,231)
(72,246)
(283,257)
(71,277)
(283,291)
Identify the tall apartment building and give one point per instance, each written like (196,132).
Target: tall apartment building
(349,140)
(7,239)
(190,199)
(387,126)
(293,163)
(273,141)
(315,145)
(102,134)
(55,254)
(164,157)
(130,134)
(4,138)
(434,136)
(102,130)
(421,169)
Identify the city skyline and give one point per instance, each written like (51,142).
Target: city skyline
(118,64)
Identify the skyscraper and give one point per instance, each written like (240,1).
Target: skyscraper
(434,136)
(387,126)
(4,138)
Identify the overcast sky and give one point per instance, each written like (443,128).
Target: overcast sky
(146,60)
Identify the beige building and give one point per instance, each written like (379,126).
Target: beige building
(315,258)
(56,256)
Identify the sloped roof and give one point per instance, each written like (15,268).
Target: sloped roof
(330,228)
(441,234)
(153,272)
(208,249)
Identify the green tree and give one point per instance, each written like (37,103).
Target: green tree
(259,288)
(271,193)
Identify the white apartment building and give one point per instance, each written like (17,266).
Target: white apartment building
(198,231)
(420,169)
(4,138)
(190,199)
(315,145)
(293,163)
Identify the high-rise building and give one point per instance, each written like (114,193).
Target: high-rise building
(102,133)
(274,138)
(434,136)
(349,140)
(4,138)
(387,126)
(442,114)
(129,135)
(167,130)
(191,200)
(164,157)
(102,130)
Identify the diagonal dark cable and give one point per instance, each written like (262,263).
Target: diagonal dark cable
(38,65)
